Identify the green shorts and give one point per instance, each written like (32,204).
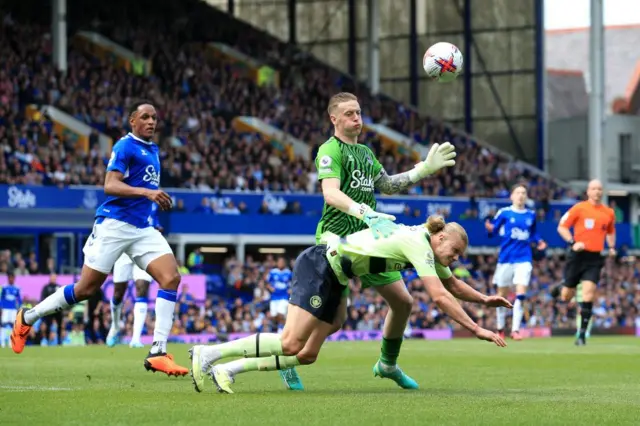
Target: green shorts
(376,280)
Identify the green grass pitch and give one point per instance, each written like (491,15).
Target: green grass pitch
(463,382)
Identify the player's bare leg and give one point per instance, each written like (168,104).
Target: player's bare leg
(518,311)
(164,270)
(140,309)
(501,312)
(400,304)
(300,344)
(290,376)
(90,281)
(119,290)
(586,309)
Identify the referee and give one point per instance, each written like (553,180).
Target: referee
(592,224)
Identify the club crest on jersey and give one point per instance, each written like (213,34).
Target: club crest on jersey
(529,222)
(360,181)
(429,259)
(589,223)
(151,176)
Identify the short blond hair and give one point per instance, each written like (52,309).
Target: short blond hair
(339,98)
(436,224)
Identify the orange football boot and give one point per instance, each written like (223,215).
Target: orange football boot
(164,363)
(20,333)
(501,334)
(515,335)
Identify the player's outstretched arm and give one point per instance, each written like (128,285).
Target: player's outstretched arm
(380,223)
(461,290)
(439,156)
(114,185)
(442,298)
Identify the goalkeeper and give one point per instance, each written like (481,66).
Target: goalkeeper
(318,300)
(350,174)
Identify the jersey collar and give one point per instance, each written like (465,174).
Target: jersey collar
(516,210)
(140,140)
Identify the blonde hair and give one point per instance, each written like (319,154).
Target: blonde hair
(437,224)
(339,98)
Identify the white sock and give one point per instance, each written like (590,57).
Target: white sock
(139,317)
(3,336)
(58,301)
(517,315)
(502,317)
(116,313)
(165,306)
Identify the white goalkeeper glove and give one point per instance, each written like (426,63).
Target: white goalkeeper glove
(439,157)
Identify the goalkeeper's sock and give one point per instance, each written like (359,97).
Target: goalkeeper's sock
(389,351)
(139,317)
(518,312)
(256,346)
(271,363)
(58,301)
(501,314)
(165,306)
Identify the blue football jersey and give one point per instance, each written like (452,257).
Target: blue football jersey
(10,297)
(139,162)
(517,229)
(280,279)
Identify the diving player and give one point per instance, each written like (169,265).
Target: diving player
(320,276)
(121,226)
(516,225)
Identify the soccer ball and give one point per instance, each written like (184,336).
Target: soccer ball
(443,62)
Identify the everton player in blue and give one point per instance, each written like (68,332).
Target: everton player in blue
(122,226)
(10,302)
(516,226)
(278,281)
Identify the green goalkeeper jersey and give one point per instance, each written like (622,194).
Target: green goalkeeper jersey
(362,254)
(357,168)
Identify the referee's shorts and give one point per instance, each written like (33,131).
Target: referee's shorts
(582,266)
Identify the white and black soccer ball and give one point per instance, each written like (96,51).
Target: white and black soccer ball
(443,62)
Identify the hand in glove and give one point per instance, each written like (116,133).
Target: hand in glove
(439,157)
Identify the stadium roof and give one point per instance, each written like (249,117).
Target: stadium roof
(566,95)
(569,50)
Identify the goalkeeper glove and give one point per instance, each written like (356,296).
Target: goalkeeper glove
(381,224)
(439,156)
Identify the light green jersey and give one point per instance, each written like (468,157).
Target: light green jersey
(357,168)
(408,247)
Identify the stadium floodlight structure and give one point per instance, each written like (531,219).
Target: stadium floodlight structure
(597,169)
(59,33)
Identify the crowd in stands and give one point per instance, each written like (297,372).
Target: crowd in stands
(197,97)
(243,305)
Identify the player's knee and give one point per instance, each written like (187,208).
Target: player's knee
(169,281)
(403,305)
(307,357)
(290,345)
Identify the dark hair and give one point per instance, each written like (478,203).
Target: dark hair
(137,104)
(518,185)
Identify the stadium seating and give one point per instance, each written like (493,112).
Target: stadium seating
(197,97)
